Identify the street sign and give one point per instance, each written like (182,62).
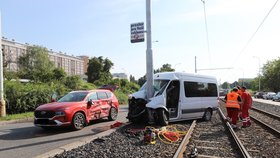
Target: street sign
(137,32)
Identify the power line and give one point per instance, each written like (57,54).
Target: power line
(251,38)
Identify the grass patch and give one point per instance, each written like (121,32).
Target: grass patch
(17,116)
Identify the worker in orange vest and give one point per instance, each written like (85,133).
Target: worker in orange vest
(240,93)
(246,105)
(233,102)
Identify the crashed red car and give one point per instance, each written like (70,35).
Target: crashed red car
(77,109)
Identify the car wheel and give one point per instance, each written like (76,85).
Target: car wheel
(162,117)
(113,114)
(207,115)
(78,121)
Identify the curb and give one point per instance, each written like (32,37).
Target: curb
(76,144)
(30,119)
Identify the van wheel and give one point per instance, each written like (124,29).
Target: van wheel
(162,117)
(78,121)
(113,114)
(207,115)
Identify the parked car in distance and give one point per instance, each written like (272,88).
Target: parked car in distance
(269,95)
(77,109)
(259,94)
(276,97)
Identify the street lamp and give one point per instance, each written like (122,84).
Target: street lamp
(176,65)
(259,71)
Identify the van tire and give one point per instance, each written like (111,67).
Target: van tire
(162,117)
(207,115)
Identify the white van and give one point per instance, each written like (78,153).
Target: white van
(178,96)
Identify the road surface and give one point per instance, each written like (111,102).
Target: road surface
(24,140)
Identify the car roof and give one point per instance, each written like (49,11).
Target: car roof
(89,91)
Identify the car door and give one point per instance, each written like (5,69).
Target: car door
(93,111)
(105,103)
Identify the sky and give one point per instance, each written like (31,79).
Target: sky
(233,38)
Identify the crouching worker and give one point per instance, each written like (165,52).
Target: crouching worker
(233,102)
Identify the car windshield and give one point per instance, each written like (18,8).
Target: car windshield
(73,97)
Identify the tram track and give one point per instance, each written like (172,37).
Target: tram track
(257,140)
(214,138)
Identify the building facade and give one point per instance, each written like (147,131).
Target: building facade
(70,64)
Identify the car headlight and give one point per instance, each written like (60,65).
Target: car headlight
(60,113)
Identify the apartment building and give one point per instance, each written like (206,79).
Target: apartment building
(72,65)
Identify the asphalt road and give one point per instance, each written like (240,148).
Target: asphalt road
(24,140)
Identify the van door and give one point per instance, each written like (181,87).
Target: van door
(172,98)
(191,100)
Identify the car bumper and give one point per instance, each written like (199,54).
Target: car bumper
(43,122)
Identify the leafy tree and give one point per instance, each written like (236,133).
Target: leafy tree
(59,74)
(225,85)
(165,68)
(73,82)
(142,80)
(271,76)
(99,69)
(10,75)
(35,64)
(132,79)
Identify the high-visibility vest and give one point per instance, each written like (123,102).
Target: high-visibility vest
(232,101)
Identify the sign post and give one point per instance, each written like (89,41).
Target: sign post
(2,101)
(149,52)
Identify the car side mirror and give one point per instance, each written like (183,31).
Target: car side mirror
(90,103)
(54,97)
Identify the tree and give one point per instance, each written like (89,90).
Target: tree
(99,69)
(165,68)
(59,74)
(35,64)
(271,76)
(132,79)
(225,85)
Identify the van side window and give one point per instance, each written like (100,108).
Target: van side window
(200,89)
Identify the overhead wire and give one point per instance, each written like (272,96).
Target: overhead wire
(253,35)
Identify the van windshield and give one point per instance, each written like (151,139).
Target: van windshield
(160,85)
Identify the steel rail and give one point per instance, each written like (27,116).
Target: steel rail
(242,149)
(181,149)
(266,113)
(272,129)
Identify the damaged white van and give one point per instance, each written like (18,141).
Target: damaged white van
(178,96)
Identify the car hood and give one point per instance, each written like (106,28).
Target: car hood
(57,105)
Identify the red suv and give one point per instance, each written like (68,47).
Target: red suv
(77,109)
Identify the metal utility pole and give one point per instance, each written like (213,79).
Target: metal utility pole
(2,101)
(195,70)
(259,71)
(149,52)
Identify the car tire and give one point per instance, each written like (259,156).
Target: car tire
(162,117)
(113,114)
(78,121)
(207,115)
